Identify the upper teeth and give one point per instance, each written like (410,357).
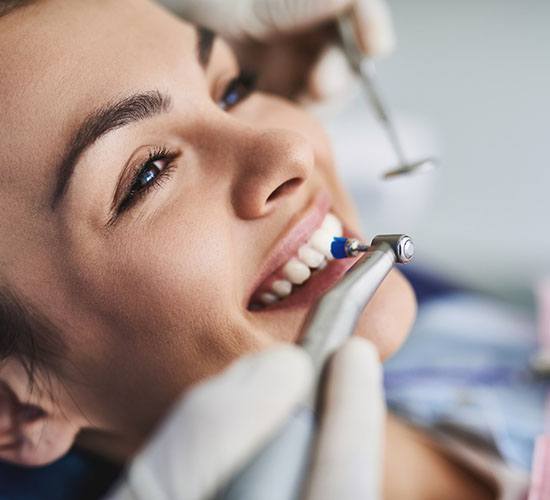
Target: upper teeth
(282,288)
(296,271)
(314,254)
(310,257)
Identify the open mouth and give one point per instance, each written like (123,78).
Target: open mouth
(307,273)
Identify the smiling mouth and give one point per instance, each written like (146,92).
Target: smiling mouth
(312,259)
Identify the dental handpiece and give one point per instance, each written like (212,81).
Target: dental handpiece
(278,471)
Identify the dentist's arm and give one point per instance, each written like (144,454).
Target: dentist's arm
(221,425)
(297,33)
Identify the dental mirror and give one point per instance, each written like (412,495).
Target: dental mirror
(418,167)
(364,67)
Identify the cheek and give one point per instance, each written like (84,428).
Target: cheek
(173,287)
(167,300)
(172,319)
(388,318)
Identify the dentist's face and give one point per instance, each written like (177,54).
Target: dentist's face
(151,203)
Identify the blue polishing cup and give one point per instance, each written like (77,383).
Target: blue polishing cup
(338,248)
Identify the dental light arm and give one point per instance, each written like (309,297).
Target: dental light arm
(280,470)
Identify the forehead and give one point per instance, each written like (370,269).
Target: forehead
(63,59)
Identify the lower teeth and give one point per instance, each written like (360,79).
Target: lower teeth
(281,290)
(268,298)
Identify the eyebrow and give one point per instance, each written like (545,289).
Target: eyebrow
(132,109)
(205,43)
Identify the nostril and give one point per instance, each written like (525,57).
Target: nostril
(285,188)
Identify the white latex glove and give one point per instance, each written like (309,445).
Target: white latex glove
(271,20)
(220,425)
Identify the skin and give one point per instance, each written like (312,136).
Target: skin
(144,312)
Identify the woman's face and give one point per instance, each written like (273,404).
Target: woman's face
(149,202)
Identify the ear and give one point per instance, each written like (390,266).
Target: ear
(32,434)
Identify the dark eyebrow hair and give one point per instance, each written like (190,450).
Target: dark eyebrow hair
(113,116)
(205,43)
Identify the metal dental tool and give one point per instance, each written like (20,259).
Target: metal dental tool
(402,245)
(278,471)
(364,67)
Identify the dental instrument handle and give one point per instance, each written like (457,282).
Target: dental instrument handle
(364,67)
(335,318)
(277,472)
(368,79)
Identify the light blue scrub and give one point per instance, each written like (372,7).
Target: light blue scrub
(464,369)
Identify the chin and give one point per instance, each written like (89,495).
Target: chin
(389,317)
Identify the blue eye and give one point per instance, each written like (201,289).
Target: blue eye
(238,90)
(149,175)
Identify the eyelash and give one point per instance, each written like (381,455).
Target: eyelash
(162,154)
(243,84)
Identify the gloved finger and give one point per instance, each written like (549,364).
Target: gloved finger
(349,455)
(375,28)
(219,426)
(268,17)
(331,77)
(258,19)
(261,19)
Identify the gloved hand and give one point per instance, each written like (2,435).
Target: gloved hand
(220,425)
(294,38)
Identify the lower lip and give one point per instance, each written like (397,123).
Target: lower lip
(306,295)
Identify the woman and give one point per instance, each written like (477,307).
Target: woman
(152,201)
(152,194)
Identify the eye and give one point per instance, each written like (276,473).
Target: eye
(148,175)
(238,90)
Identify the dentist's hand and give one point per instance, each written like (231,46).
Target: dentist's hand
(291,43)
(221,424)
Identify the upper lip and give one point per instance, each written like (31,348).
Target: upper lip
(299,233)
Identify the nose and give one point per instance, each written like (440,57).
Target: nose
(272,165)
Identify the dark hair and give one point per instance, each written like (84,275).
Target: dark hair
(6,6)
(29,337)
